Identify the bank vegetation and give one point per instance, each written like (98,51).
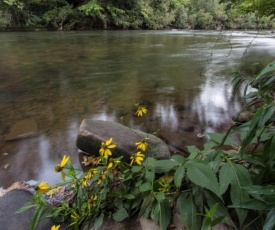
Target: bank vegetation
(136,14)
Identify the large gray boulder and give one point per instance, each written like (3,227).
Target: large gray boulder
(10,203)
(93,132)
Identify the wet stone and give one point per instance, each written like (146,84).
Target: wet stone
(93,132)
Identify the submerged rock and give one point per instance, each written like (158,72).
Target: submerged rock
(93,132)
(22,129)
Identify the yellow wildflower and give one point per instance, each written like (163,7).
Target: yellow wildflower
(55,227)
(105,148)
(59,167)
(102,177)
(88,176)
(92,201)
(142,145)
(42,187)
(110,165)
(140,110)
(138,158)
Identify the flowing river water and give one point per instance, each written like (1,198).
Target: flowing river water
(51,81)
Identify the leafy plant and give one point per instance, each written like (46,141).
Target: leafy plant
(210,186)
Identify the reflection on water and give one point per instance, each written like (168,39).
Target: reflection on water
(56,79)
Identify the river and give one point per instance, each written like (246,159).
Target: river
(56,79)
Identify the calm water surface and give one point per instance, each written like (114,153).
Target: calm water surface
(57,79)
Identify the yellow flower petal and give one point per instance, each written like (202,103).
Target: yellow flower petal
(64,161)
(42,187)
(109,141)
(55,227)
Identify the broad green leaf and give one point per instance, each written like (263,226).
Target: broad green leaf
(218,138)
(194,152)
(178,176)
(120,214)
(179,159)
(160,196)
(239,178)
(165,214)
(202,175)
(270,220)
(149,175)
(145,187)
(264,190)
(164,166)
(254,204)
(136,169)
(188,211)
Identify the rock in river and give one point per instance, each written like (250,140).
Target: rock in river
(93,132)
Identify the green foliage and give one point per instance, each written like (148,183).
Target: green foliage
(208,187)
(132,14)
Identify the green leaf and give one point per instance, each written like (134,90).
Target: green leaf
(218,138)
(194,152)
(164,166)
(270,67)
(120,214)
(270,220)
(254,204)
(136,169)
(99,221)
(26,208)
(206,224)
(147,202)
(37,217)
(221,211)
(266,190)
(188,211)
(145,187)
(250,95)
(202,175)
(129,196)
(160,197)
(239,178)
(149,175)
(266,115)
(179,159)
(178,176)
(165,214)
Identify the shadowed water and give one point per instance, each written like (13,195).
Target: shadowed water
(57,79)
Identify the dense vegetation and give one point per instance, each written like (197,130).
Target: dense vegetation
(231,180)
(136,14)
